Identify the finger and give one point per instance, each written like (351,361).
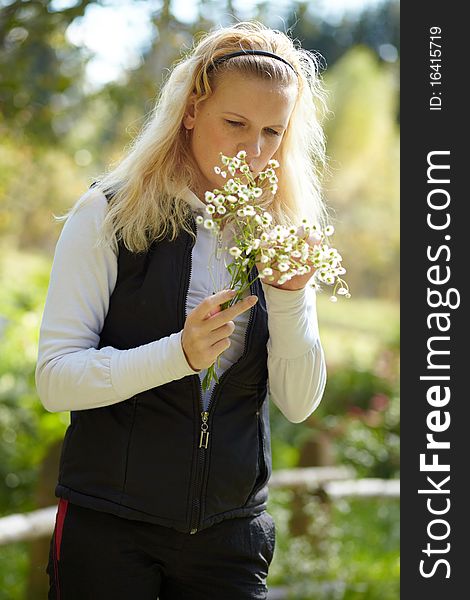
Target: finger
(212,303)
(220,347)
(224,331)
(230,313)
(214,311)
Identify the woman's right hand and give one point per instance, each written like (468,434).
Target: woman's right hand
(208,327)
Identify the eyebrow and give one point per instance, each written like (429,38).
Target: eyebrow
(242,117)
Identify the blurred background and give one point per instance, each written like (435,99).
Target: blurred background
(77,78)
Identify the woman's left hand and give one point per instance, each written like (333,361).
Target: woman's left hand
(297,282)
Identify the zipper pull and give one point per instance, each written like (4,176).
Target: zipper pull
(204,439)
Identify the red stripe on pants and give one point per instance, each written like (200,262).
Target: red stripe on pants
(61,512)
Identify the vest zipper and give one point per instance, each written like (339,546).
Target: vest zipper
(204,438)
(204,435)
(203,445)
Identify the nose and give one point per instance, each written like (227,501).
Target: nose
(252,148)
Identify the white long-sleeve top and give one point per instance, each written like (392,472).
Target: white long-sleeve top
(72,374)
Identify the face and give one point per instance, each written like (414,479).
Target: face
(243,113)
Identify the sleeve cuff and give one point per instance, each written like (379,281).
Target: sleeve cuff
(292,321)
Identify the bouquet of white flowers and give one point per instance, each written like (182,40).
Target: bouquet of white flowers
(279,252)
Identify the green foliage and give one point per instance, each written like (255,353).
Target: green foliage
(26,428)
(13,571)
(40,70)
(350,549)
(36,183)
(376,25)
(363,145)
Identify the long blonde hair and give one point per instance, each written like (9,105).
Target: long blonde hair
(149,183)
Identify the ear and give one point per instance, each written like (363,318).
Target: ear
(190,113)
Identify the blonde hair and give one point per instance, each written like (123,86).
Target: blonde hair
(149,183)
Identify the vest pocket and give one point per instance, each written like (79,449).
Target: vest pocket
(262,470)
(232,469)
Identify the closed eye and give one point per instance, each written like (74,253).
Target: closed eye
(233,123)
(239,124)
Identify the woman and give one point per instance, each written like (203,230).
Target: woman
(163,487)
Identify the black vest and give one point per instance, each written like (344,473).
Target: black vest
(144,458)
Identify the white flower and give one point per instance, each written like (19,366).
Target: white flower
(342,291)
(210,208)
(283,266)
(209,224)
(199,220)
(232,199)
(245,169)
(273,163)
(267,217)
(236,162)
(333,299)
(241,155)
(264,258)
(225,159)
(257,192)
(236,252)
(223,174)
(329,230)
(217,170)
(209,196)
(221,210)
(267,271)
(274,189)
(241,212)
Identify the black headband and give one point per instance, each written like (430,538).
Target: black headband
(255,52)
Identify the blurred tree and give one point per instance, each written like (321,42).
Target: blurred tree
(363,145)
(38,67)
(376,27)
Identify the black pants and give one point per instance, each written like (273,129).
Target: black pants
(96,556)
